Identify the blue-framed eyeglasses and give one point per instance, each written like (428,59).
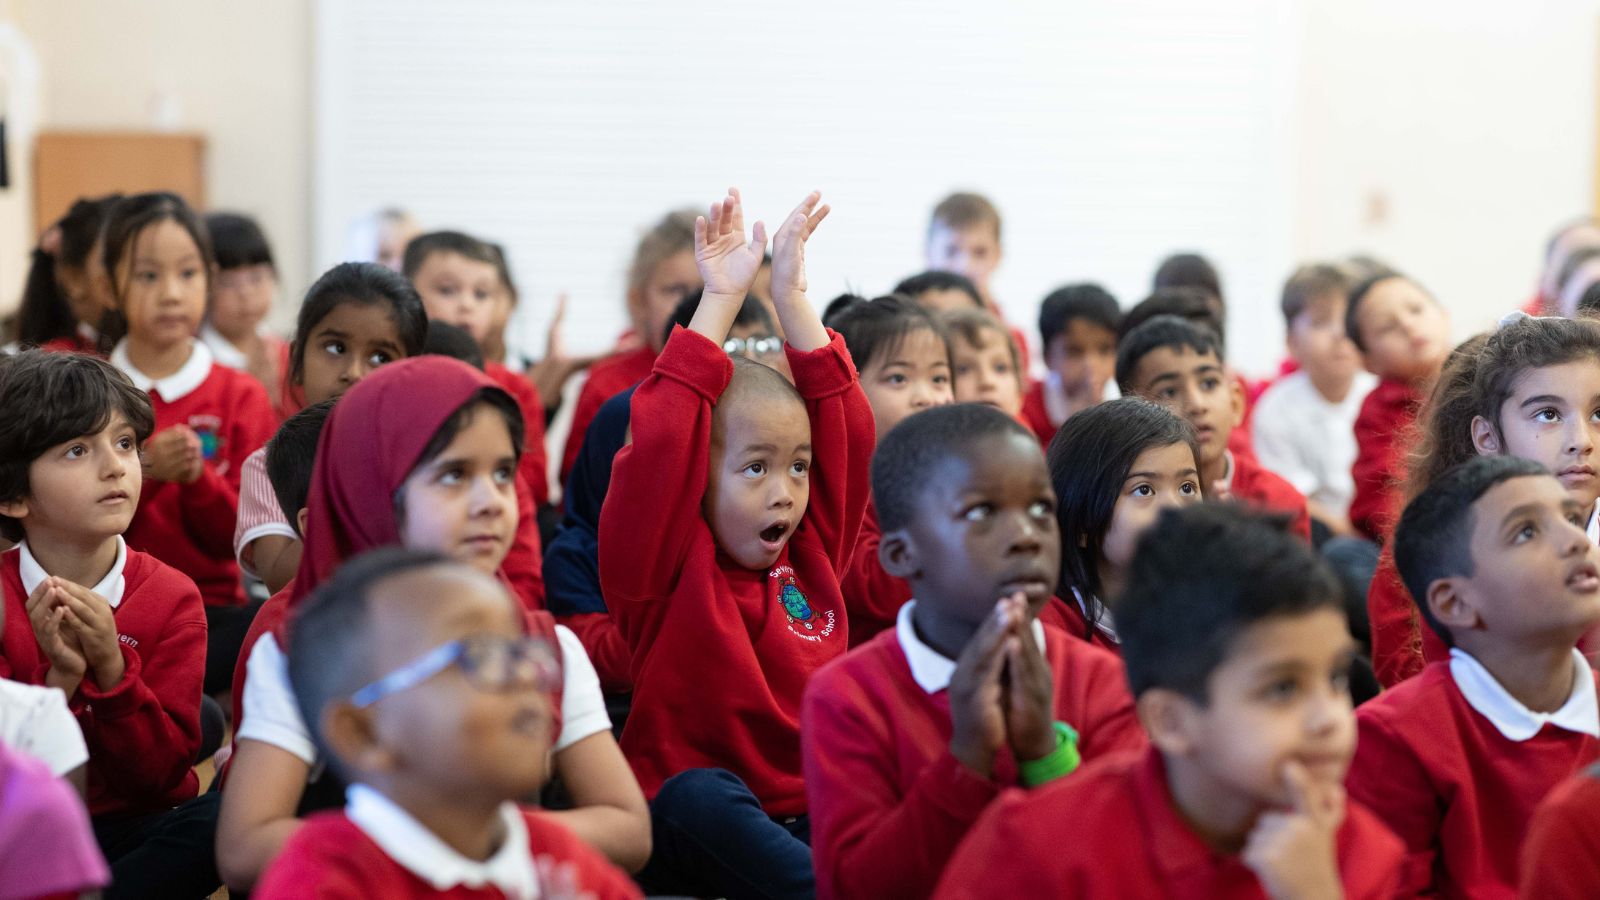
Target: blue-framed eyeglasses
(753,346)
(490,663)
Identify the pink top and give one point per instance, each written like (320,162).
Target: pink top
(259,514)
(46,845)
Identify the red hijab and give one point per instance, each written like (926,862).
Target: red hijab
(373,439)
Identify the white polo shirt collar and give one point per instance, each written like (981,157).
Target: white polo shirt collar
(409,843)
(110,587)
(176,386)
(1484,693)
(931,669)
(1594,524)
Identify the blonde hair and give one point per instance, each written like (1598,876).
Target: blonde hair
(673,234)
(964,210)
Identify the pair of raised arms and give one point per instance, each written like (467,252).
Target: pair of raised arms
(728,264)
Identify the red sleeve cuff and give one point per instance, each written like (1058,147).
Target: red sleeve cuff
(823,372)
(693,360)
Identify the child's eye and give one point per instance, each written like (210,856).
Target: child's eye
(1210,384)
(977,513)
(125,443)
(755,469)
(379,358)
(1041,509)
(452,475)
(1189,488)
(1578,519)
(1526,533)
(963,369)
(506,474)
(895,379)
(334,348)
(190,273)
(76,451)
(1547,415)
(1282,690)
(800,467)
(1142,490)
(1168,393)
(145,277)
(941,379)
(1003,368)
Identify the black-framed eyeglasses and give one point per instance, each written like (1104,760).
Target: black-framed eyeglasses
(753,346)
(490,663)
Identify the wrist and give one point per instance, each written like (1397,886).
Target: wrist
(1061,761)
(977,760)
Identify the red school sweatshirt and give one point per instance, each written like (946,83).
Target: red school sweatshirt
(1036,415)
(1111,831)
(331,857)
(871,595)
(1561,856)
(607,378)
(721,654)
(1458,792)
(1256,486)
(533,462)
(190,526)
(143,733)
(1401,643)
(1068,616)
(889,803)
(1384,435)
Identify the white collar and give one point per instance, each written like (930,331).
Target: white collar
(930,668)
(410,843)
(1099,615)
(1594,523)
(1579,714)
(1224,485)
(1055,397)
(176,386)
(110,587)
(222,349)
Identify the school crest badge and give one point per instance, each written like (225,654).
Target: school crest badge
(804,621)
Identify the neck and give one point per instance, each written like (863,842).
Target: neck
(82,561)
(468,825)
(1215,812)
(1211,473)
(946,635)
(1333,388)
(1539,677)
(156,361)
(245,340)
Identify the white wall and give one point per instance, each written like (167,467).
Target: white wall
(238,71)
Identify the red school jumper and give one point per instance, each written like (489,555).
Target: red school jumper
(144,732)
(190,526)
(1561,857)
(1383,438)
(1401,643)
(1069,616)
(607,378)
(1458,792)
(532,465)
(329,857)
(889,804)
(1111,831)
(722,654)
(872,596)
(1254,485)
(1036,415)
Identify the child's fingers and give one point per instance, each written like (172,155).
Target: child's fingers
(758,237)
(735,211)
(1298,782)
(984,653)
(816,219)
(700,226)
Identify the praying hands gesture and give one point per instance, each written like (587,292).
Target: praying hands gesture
(988,711)
(174,454)
(77,631)
(1293,851)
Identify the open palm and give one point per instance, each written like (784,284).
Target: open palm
(727,263)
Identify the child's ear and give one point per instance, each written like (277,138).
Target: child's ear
(1235,397)
(351,737)
(300,521)
(1170,719)
(16,509)
(1451,604)
(898,555)
(1485,437)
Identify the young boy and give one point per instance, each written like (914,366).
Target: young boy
(1455,759)
(910,736)
(986,367)
(964,238)
(427,696)
(458,277)
(1403,335)
(1078,325)
(1236,648)
(1302,423)
(1179,364)
(122,635)
(723,537)
(941,292)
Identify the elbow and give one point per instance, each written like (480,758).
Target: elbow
(633,842)
(235,864)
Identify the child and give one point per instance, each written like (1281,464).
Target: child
(732,565)
(1178,364)
(662,273)
(247,285)
(437,768)
(66,293)
(1302,424)
(964,238)
(1191,270)
(1237,654)
(908,737)
(1403,335)
(1115,467)
(422,453)
(458,277)
(903,356)
(209,418)
(1456,759)
(122,635)
(356,317)
(941,292)
(987,369)
(1078,325)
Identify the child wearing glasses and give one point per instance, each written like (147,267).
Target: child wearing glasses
(425,692)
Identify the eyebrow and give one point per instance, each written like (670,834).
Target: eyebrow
(150,260)
(1543,399)
(773,448)
(1182,473)
(1526,509)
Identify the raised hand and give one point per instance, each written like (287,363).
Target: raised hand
(1293,851)
(726,261)
(1030,694)
(550,374)
(174,454)
(90,618)
(977,717)
(789,247)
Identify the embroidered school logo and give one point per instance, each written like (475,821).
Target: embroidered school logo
(209,430)
(803,620)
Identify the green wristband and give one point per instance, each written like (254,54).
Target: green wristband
(1061,761)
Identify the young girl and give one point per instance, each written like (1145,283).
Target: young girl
(422,453)
(66,292)
(1529,389)
(1115,467)
(357,316)
(987,368)
(903,356)
(209,418)
(661,275)
(247,285)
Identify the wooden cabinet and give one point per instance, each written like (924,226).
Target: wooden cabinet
(73,164)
